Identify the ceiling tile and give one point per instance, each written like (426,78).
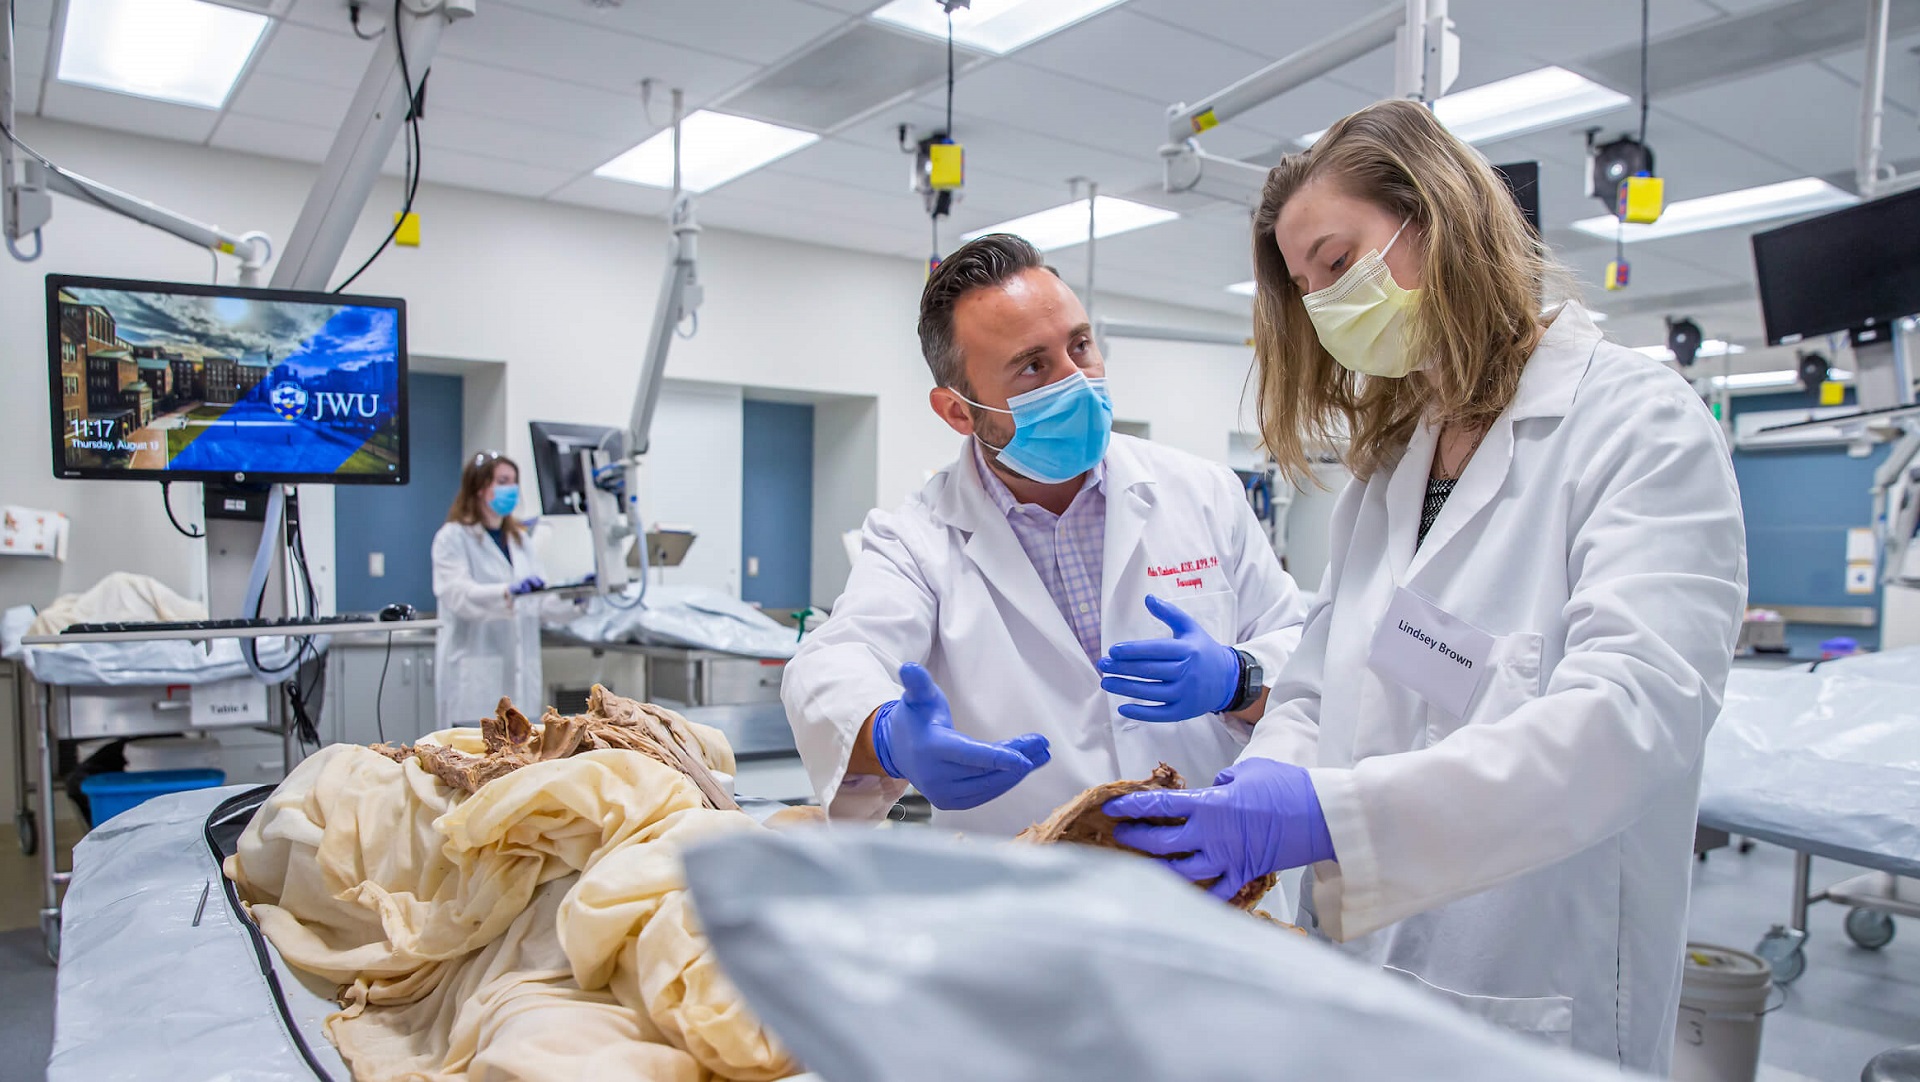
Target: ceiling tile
(122,112)
(729,211)
(487,174)
(335,59)
(591,191)
(1696,160)
(1521,28)
(330,15)
(755,31)
(1130,53)
(540,102)
(848,7)
(272,138)
(271,97)
(1043,101)
(451,128)
(516,40)
(1806,99)
(1903,75)
(996,148)
(842,161)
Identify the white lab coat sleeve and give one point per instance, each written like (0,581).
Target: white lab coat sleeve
(454,586)
(1656,567)
(1290,729)
(849,667)
(1272,610)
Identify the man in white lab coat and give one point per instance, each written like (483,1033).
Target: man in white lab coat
(1050,561)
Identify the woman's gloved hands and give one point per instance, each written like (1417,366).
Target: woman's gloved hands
(1261,816)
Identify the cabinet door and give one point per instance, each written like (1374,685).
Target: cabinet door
(426,711)
(370,708)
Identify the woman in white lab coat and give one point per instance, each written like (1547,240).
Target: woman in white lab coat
(488,585)
(1487,747)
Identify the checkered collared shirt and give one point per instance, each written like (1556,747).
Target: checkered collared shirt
(1065,549)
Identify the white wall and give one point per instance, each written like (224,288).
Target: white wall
(562,296)
(845,465)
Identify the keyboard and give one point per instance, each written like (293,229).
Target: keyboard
(222,625)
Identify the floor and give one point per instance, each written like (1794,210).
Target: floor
(1851,1005)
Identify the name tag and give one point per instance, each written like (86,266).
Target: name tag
(1431,652)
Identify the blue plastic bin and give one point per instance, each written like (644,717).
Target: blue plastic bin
(110,794)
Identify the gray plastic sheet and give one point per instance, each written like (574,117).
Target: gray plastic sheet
(1830,756)
(890,955)
(691,616)
(144,993)
(126,664)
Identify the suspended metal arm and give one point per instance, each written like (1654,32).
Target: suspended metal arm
(1426,60)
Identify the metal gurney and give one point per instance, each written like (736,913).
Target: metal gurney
(1825,763)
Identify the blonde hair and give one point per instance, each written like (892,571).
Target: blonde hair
(1477,320)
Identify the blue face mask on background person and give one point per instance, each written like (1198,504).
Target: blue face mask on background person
(1059,431)
(504,499)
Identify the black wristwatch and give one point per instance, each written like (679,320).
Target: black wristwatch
(1252,682)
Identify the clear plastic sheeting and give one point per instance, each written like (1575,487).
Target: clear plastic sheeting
(1830,756)
(145,993)
(1898,666)
(126,664)
(691,616)
(881,956)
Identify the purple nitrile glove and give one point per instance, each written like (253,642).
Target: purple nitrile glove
(1185,676)
(914,739)
(526,586)
(1261,816)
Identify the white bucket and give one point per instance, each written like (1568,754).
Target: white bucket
(1723,1000)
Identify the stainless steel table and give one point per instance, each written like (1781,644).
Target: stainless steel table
(133,710)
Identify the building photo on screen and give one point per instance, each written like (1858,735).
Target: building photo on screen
(168,381)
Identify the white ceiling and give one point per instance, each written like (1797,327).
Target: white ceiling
(529,96)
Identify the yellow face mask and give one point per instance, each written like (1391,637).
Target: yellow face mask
(1363,318)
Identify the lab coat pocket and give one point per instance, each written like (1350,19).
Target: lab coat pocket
(1218,612)
(1513,680)
(1547,1018)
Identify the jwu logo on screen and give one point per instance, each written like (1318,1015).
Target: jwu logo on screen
(292,401)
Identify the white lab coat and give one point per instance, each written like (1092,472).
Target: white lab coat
(944,581)
(489,642)
(1531,860)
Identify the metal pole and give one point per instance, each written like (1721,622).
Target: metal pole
(1093,194)
(679,103)
(1409,65)
(359,150)
(1873,89)
(1287,73)
(7,179)
(49,859)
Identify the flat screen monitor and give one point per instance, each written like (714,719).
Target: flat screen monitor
(556,461)
(173,382)
(1854,268)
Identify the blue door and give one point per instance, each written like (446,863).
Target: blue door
(776,511)
(390,529)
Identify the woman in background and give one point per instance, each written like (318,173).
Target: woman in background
(488,585)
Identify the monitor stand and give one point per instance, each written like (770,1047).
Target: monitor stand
(1883,366)
(235,515)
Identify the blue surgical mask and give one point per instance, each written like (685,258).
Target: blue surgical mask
(504,499)
(1059,431)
